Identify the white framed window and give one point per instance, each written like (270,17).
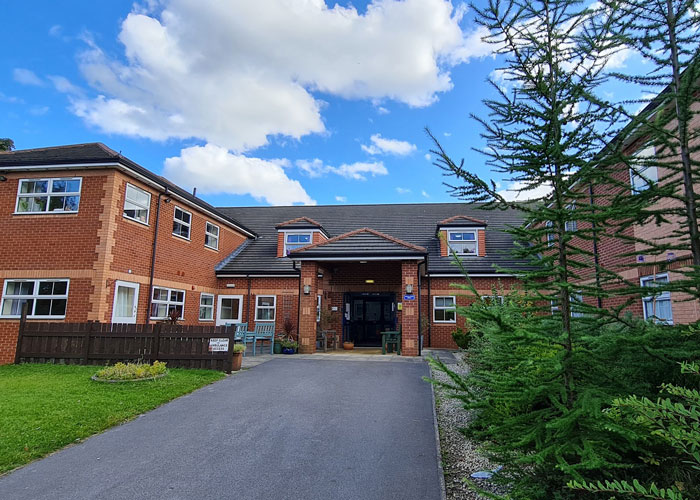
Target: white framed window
(463,242)
(206,307)
(643,174)
(40,196)
(265,307)
(492,299)
(657,306)
(182,223)
(571,225)
(166,300)
(211,236)
(575,301)
(318,309)
(45,298)
(230,310)
(551,237)
(292,241)
(137,204)
(444,309)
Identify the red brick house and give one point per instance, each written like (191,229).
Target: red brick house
(91,235)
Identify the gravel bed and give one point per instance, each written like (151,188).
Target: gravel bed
(460,456)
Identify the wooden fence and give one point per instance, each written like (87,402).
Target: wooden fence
(107,343)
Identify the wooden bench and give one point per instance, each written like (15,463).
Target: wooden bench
(263,332)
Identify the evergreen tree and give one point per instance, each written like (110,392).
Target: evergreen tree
(7,144)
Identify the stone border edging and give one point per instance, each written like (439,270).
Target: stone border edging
(109,381)
(441,471)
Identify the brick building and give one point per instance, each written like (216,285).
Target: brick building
(89,235)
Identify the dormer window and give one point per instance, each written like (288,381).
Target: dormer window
(463,242)
(292,241)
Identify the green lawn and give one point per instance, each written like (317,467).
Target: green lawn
(46,407)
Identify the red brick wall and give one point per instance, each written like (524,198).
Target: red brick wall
(481,234)
(280,244)
(8,341)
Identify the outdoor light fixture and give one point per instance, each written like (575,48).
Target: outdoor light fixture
(307,289)
(230,285)
(3,178)
(369,281)
(319,275)
(363,262)
(409,289)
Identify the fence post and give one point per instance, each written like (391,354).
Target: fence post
(229,354)
(20,331)
(86,343)
(155,346)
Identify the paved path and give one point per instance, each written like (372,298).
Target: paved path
(286,429)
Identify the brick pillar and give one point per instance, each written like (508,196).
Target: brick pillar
(307,318)
(409,316)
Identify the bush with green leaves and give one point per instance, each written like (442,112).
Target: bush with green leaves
(673,421)
(132,371)
(543,434)
(238,347)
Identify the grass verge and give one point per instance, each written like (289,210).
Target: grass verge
(45,407)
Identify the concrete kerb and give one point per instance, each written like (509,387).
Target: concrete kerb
(441,471)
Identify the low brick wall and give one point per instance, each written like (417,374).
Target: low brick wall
(8,341)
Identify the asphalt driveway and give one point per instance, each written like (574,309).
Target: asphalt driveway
(287,429)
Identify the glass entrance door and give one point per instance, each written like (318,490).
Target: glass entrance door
(230,309)
(370,314)
(126,300)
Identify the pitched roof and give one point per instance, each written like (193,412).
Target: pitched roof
(411,223)
(461,220)
(299,222)
(363,242)
(97,155)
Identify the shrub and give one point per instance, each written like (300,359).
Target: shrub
(238,347)
(132,371)
(462,338)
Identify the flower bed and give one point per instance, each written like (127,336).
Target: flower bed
(131,372)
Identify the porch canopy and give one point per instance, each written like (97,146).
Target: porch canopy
(361,244)
(347,260)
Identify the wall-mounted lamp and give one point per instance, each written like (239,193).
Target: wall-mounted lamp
(369,281)
(166,200)
(230,285)
(409,289)
(3,178)
(320,275)
(307,289)
(363,262)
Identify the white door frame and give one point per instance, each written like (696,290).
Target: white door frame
(126,284)
(223,322)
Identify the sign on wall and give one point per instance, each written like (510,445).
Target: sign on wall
(218,345)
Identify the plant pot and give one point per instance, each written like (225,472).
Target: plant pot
(277,349)
(288,350)
(348,346)
(237,360)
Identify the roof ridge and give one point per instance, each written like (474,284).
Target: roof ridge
(299,219)
(64,146)
(358,231)
(455,217)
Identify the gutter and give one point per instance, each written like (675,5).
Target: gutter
(153,257)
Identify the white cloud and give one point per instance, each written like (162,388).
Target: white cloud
(39,110)
(380,145)
(357,171)
(56,30)
(252,76)
(425,194)
(214,170)
(382,110)
(26,77)
(447,134)
(427,156)
(341,199)
(517,191)
(63,85)
(401,190)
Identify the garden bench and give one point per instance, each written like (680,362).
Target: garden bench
(263,332)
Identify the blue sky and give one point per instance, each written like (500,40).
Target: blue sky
(253,102)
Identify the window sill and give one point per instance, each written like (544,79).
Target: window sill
(181,237)
(444,322)
(164,319)
(206,320)
(57,212)
(140,223)
(34,317)
(211,248)
(264,320)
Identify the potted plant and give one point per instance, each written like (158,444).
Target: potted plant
(277,349)
(348,345)
(237,356)
(289,345)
